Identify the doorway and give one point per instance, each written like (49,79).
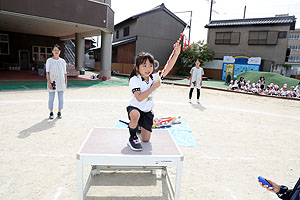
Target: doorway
(24,59)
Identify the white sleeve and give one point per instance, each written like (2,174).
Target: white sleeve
(202,71)
(48,65)
(191,72)
(65,67)
(156,76)
(134,84)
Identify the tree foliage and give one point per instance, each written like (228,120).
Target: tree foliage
(199,51)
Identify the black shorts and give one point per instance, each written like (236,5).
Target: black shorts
(146,118)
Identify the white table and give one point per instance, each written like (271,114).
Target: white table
(107,148)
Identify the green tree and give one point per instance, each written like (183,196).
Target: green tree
(199,51)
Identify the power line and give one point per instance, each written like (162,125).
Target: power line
(285,5)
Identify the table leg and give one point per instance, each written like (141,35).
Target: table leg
(79,179)
(178,180)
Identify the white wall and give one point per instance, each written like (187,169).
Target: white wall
(214,64)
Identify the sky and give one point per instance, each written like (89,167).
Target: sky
(222,10)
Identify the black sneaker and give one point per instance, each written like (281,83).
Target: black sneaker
(51,116)
(59,115)
(135,144)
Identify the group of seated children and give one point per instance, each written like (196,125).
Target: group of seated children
(260,88)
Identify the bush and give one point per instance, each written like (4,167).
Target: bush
(197,51)
(182,72)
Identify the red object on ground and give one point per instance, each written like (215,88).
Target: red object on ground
(162,120)
(103,78)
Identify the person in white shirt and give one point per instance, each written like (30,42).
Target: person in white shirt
(196,80)
(271,89)
(248,86)
(254,88)
(235,85)
(243,87)
(242,80)
(262,83)
(292,92)
(276,90)
(143,83)
(267,90)
(297,89)
(230,85)
(56,75)
(283,91)
(259,90)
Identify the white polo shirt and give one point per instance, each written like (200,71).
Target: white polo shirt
(138,83)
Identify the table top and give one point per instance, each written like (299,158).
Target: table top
(113,142)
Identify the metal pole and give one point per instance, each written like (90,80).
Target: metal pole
(244,12)
(211,4)
(190,26)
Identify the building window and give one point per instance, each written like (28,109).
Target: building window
(258,37)
(4,44)
(294,58)
(294,36)
(117,34)
(41,53)
(263,37)
(126,31)
(223,38)
(294,47)
(227,38)
(282,34)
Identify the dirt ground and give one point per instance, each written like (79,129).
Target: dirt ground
(240,137)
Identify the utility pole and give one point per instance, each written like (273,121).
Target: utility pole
(210,12)
(190,25)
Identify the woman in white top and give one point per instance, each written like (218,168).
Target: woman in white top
(196,80)
(56,75)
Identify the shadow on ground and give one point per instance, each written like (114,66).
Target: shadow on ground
(41,126)
(120,179)
(198,106)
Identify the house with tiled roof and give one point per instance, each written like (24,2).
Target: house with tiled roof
(154,31)
(266,38)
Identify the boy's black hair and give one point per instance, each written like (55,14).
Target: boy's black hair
(141,58)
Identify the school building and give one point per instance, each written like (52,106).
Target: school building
(294,56)
(28,30)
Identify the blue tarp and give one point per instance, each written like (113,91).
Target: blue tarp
(180,132)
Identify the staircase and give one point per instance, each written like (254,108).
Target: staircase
(70,52)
